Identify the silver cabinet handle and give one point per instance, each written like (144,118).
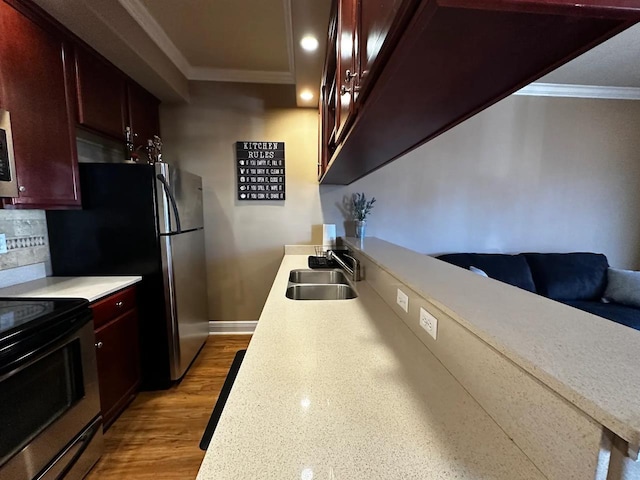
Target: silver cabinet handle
(119,304)
(22,188)
(344,90)
(348,76)
(99,345)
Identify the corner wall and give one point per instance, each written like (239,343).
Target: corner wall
(244,240)
(528,174)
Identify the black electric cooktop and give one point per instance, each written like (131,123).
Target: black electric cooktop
(22,316)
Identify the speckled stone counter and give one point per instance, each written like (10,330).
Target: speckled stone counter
(588,360)
(344,390)
(91,288)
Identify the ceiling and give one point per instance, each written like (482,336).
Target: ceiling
(164,44)
(227,34)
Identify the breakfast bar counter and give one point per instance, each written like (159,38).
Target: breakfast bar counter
(342,389)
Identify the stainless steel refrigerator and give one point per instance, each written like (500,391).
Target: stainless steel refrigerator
(143,220)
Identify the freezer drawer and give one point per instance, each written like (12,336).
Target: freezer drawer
(185,280)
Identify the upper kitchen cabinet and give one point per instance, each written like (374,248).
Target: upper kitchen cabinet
(327,102)
(144,117)
(35,87)
(108,101)
(346,65)
(377,23)
(101,93)
(424,66)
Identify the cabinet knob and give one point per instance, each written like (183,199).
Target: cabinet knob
(22,188)
(99,345)
(119,304)
(344,90)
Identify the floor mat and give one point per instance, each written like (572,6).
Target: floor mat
(222,400)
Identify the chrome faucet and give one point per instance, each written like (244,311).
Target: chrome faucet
(354,272)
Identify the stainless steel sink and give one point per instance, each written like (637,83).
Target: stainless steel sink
(320,292)
(318,277)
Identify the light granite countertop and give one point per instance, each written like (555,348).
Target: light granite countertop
(344,390)
(590,361)
(91,288)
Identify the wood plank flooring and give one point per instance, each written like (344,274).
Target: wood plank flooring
(157,437)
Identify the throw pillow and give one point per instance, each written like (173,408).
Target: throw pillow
(482,273)
(623,286)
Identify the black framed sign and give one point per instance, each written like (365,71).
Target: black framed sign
(260,170)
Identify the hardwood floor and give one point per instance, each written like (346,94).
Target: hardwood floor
(157,437)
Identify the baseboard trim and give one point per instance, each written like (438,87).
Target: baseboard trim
(227,327)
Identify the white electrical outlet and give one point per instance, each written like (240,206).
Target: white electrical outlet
(3,243)
(403,300)
(429,323)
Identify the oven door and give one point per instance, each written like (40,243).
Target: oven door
(49,400)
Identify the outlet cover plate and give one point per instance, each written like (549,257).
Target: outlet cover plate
(3,243)
(403,300)
(429,323)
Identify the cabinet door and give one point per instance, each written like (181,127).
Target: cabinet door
(118,364)
(375,23)
(34,88)
(144,117)
(101,92)
(346,28)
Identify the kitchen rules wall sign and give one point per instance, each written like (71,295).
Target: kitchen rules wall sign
(260,168)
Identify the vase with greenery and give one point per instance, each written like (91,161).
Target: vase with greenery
(361,209)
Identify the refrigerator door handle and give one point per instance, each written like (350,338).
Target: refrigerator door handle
(172,200)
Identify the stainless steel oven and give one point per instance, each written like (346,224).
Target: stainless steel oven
(50,423)
(8,182)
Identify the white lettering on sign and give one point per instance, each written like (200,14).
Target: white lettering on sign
(260,170)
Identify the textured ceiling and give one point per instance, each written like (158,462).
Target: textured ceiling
(226,34)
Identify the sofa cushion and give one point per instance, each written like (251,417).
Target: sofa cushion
(511,269)
(477,271)
(623,286)
(622,314)
(569,276)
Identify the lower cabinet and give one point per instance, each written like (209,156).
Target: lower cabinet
(118,359)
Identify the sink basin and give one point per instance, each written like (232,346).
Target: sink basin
(321,292)
(318,277)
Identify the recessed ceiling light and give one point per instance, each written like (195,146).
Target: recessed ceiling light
(306,95)
(309,43)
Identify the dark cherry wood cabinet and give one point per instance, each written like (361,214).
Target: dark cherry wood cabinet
(101,95)
(144,117)
(424,66)
(377,22)
(346,65)
(51,82)
(36,87)
(327,100)
(117,350)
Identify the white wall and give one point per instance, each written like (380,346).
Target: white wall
(528,174)
(244,240)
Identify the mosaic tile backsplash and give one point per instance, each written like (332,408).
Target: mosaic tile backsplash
(27,240)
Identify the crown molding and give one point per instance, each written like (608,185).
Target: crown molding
(288,25)
(579,91)
(143,17)
(241,76)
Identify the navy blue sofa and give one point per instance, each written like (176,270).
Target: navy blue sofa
(576,279)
